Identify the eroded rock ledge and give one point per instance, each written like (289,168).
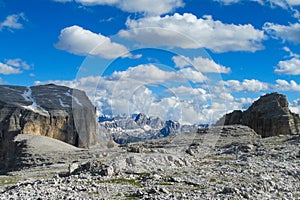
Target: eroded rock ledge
(268,116)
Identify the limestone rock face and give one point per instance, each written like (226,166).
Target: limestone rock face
(47,110)
(268,116)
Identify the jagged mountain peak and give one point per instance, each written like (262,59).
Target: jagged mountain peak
(141,119)
(139,127)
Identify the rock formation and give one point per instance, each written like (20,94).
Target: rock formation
(139,127)
(141,119)
(268,116)
(171,127)
(47,110)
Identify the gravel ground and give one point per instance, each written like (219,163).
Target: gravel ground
(229,163)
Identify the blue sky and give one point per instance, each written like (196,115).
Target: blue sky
(187,60)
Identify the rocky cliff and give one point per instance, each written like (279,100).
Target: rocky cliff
(48,110)
(268,116)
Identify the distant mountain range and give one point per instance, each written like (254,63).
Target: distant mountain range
(139,127)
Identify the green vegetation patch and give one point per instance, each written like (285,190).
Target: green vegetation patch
(213,180)
(8,180)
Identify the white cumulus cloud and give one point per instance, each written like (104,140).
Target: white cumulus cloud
(201,64)
(284,4)
(295,106)
(18,62)
(286,33)
(281,3)
(292,54)
(183,90)
(246,85)
(144,73)
(13,22)
(291,67)
(150,6)
(188,31)
(6,69)
(14,66)
(283,85)
(190,74)
(153,7)
(152,74)
(79,41)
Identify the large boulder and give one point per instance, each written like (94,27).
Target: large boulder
(268,116)
(48,110)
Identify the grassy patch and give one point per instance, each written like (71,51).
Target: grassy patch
(8,180)
(147,151)
(213,180)
(118,195)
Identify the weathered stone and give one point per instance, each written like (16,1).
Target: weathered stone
(135,149)
(268,116)
(73,167)
(108,171)
(48,110)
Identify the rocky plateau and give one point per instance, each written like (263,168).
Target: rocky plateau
(217,162)
(230,162)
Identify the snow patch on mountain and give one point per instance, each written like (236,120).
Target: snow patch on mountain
(62,104)
(74,98)
(27,95)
